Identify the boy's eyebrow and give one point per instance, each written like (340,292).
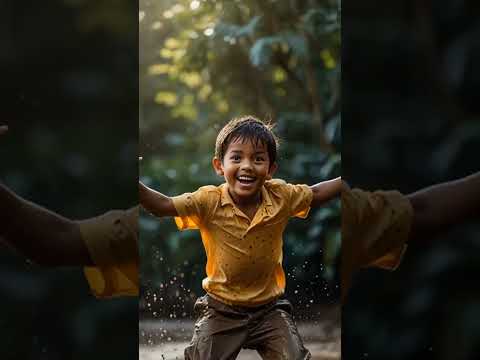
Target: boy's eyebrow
(256,152)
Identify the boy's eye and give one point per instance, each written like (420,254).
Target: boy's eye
(235,157)
(259,158)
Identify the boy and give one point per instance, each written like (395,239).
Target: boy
(241,224)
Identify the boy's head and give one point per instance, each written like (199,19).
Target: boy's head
(245,154)
(247,128)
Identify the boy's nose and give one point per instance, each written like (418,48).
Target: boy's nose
(246,165)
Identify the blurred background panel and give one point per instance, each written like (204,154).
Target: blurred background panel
(411,85)
(203,62)
(69,93)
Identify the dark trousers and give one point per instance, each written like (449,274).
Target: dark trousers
(221,331)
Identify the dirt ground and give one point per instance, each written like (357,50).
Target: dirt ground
(174,351)
(166,339)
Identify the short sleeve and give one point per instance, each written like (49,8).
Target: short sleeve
(375,229)
(193,208)
(300,199)
(112,241)
(378,224)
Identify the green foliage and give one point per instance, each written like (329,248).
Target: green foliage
(263,50)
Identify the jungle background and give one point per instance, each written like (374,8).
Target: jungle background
(410,102)
(201,64)
(69,93)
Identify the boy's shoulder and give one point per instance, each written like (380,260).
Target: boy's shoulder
(275,183)
(277,187)
(210,188)
(210,193)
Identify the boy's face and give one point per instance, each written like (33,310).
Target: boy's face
(246,167)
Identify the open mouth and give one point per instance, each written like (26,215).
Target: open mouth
(246,180)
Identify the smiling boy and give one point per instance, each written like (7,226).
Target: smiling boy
(241,224)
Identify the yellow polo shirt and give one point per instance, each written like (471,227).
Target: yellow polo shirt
(244,258)
(112,241)
(375,229)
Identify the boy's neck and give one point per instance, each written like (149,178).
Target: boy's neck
(253,201)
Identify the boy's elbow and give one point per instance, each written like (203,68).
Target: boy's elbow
(423,219)
(168,208)
(157,210)
(317,199)
(321,196)
(65,248)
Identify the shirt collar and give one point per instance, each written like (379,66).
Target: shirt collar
(226,199)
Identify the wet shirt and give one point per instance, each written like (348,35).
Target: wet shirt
(112,241)
(244,257)
(375,229)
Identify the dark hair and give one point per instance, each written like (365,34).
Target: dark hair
(247,128)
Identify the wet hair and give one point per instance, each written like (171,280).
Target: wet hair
(247,128)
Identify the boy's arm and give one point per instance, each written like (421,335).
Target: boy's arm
(155,202)
(326,191)
(440,206)
(42,235)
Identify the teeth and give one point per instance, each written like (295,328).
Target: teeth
(246,178)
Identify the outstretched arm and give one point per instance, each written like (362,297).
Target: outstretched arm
(154,202)
(42,235)
(440,206)
(326,191)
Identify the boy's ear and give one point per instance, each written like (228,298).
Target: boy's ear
(217,166)
(272,170)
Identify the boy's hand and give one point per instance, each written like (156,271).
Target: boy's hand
(326,191)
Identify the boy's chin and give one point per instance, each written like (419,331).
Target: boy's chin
(246,190)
